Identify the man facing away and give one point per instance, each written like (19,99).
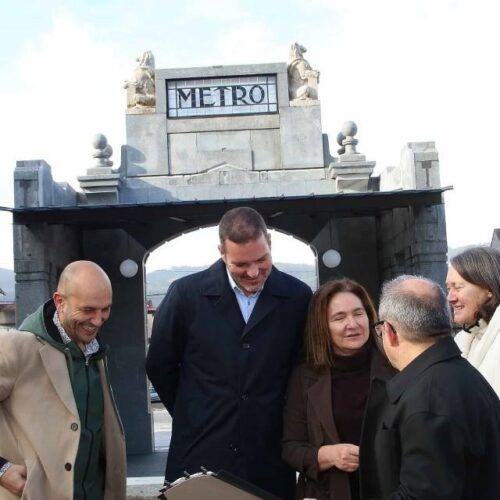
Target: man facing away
(222,347)
(60,434)
(438,436)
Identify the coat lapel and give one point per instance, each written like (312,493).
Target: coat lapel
(265,304)
(227,306)
(319,394)
(270,297)
(216,286)
(57,371)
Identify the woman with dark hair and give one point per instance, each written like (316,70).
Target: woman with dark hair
(473,284)
(328,392)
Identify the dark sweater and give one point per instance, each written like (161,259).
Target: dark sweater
(350,385)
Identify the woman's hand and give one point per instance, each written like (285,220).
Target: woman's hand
(344,456)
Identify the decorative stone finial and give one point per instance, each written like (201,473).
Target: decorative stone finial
(101,185)
(103,151)
(302,79)
(140,88)
(349,130)
(351,171)
(340,138)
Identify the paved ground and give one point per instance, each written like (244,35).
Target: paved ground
(153,464)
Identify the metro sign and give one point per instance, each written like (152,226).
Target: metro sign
(254,94)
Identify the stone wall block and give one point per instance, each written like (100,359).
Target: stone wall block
(301,137)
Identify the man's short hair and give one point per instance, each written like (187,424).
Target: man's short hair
(241,225)
(418,317)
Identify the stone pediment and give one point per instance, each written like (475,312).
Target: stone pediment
(224,167)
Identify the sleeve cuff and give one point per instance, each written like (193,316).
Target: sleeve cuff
(311,463)
(4,467)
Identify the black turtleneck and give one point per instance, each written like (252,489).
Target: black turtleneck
(350,384)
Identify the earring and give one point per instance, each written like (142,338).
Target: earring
(490,295)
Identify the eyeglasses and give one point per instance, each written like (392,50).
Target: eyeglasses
(378,327)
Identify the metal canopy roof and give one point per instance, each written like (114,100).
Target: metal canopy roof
(342,204)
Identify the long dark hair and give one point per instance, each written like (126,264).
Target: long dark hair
(481,266)
(318,341)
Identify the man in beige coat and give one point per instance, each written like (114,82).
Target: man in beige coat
(60,433)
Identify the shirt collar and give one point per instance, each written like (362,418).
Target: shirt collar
(90,348)
(445,348)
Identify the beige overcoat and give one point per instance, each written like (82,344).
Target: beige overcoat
(39,422)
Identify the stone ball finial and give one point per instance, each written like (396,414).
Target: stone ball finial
(99,141)
(102,151)
(349,129)
(346,138)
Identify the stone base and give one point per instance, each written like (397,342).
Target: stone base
(141,110)
(305,102)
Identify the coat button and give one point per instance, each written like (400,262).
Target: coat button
(245,346)
(244,397)
(233,447)
(74,426)
(67,466)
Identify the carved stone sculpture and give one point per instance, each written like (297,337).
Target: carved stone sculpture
(141,86)
(302,79)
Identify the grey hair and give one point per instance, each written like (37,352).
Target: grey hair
(419,317)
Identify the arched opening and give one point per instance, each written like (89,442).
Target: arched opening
(194,251)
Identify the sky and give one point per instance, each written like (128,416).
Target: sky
(403,70)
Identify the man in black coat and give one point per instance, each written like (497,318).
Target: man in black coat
(438,436)
(223,343)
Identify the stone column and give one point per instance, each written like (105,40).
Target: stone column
(413,241)
(354,238)
(125,332)
(41,251)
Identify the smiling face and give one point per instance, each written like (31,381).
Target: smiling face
(348,323)
(83,314)
(249,263)
(83,309)
(464,297)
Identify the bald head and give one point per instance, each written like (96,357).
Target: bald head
(82,273)
(417,307)
(83,300)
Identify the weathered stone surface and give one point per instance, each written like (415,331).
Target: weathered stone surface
(495,240)
(222,123)
(301,137)
(146,152)
(418,168)
(35,187)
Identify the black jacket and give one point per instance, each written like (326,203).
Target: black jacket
(438,436)
(224,381)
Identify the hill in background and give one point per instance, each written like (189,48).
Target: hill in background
(159,281)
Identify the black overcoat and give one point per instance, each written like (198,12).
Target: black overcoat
(224,381)
(438,436)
